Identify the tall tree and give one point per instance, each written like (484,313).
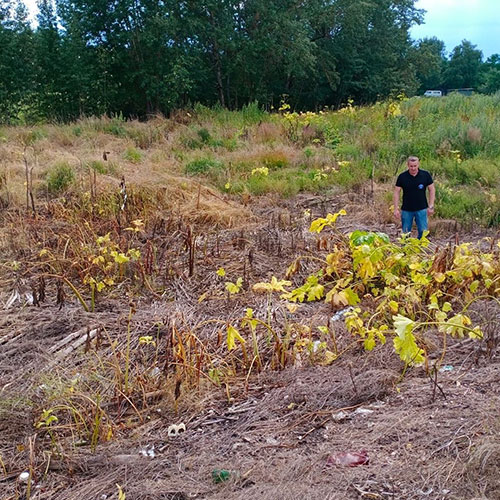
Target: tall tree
(490,74)
(48,48)
(464,65)
(16,62)
(428,57)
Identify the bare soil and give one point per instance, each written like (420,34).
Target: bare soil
(276,433)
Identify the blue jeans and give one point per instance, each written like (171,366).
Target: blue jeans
(420,217)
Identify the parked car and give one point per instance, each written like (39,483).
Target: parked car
(433,93)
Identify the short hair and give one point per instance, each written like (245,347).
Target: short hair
(412,158)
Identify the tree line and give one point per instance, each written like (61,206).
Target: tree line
(141,57)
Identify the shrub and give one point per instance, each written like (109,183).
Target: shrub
(132,155)
(203,166)
(59,177)
(102,167)
(204,136)
(275,159)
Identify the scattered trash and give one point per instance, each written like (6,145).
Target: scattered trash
(349,458)
(220,475)
(446,368)
(149,451)
(340,314)
(272,441)
(24,476)
(12,299)
(362,411)
(316,346)
(340,416)
(175,430)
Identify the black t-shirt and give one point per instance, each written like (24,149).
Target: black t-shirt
(414,189)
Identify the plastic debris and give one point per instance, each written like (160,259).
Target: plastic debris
(24,476)
(220,475)
(446,368)
(349,458)
(148,451)
(272,441)
(340,314)
(362,411)
(175,430)
(340,416)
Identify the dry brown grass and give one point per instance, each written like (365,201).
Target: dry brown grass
(474,135)
(267,132)
(275,428)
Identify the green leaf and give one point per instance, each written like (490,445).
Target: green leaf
(474,286)
(234,288)
(369,343)
(446,307)
(402,324)
(405,344)
(351,296)
(315,292)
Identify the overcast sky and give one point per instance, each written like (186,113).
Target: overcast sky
(451,21)
(455,20)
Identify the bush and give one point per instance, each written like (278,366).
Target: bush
(101,167)
(132,155)
(59,177)
(275,159)
(203,166)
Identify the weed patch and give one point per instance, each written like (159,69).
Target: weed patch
(59,177)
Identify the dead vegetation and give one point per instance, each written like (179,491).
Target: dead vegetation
(116,325)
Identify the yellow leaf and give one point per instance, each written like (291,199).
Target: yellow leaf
(328,358)
(292,307)
(221,272)
(120,258)
(121,495)
(232,336)
(439,277)
(98,260)
(234,288)
(274,285)
(394,306)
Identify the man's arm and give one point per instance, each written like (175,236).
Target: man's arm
(397,191)
(432,197)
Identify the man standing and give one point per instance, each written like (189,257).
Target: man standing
(414,182)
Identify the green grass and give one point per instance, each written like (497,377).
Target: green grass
(456,137)
(132,155)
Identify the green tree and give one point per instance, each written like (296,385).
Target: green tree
(490,74)
(16,62)
(428,57)
(48,51)
(464,66)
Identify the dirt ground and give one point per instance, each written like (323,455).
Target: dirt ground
(279,434)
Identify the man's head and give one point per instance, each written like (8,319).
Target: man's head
(413,163)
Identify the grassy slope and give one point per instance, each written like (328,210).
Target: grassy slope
(252,153)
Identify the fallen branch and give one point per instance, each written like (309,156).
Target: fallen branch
(80,340)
